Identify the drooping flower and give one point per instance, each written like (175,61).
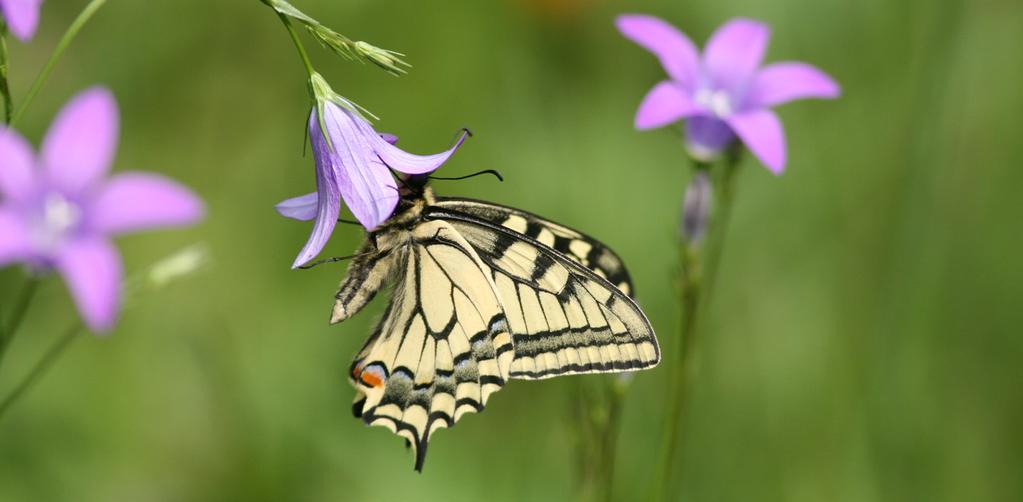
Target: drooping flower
(21,16)
(59,213)
(353,163)
(725,93)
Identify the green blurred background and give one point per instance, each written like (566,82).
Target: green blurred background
(864,341)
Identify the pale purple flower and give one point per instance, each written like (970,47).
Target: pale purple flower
(59,212)
(21,16)
(355,166)
(724,93)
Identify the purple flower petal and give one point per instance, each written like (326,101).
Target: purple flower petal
(371,198)
(762,133)
(707,137)
(664,104)
(21,16)
(302,208)
(17,178)
(135,201)
(92,269)
(677,53)
(734,52)
(782,82)
(80,144)
(405,162)
(366,185)
(326,192)
(14,239)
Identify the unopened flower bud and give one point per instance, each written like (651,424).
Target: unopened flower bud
(388,60)
(696,208)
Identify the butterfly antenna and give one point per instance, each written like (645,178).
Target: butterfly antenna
(493,172)
(332,259)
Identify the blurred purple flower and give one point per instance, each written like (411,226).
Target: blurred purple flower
(353,164)
(21,16)
(58,211)
(725,94)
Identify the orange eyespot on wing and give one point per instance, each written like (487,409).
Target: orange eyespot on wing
(370,379)
(371,376)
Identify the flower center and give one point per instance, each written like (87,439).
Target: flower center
(716,101)
(58,218)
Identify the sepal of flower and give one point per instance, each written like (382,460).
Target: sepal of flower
(341,45)
(724,93)
(323,93)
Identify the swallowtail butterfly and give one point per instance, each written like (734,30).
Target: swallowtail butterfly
(482,294)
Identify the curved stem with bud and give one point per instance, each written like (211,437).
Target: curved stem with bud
(352,50)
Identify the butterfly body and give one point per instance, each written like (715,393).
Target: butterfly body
(482,294)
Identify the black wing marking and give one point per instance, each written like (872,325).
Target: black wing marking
(442,346)
(564,318)
(574,244)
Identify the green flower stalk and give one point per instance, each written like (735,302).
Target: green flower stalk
(170,269)
(5,88)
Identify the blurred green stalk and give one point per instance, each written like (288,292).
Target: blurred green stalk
(175,266)
(10,328)
(5,88)
(65,41)
(596,418)
(40,367)
(697,274)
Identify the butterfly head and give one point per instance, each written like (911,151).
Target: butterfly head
(415,195)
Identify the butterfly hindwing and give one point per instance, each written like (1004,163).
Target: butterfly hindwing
(442,346)
(564,318)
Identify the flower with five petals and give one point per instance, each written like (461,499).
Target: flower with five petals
(57,211)
(724,93)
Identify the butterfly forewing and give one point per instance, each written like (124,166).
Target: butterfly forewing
(572,243)
(564,318)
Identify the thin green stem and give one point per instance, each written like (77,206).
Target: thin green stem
(724,193)
(697,275)
(5,88)
(298,44)
(40,368)
(8,330)
(598,406)
(65,41)
(615,389)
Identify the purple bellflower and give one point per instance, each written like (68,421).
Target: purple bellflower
(725,93)
(353,163)
(21,16)
(58,212)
